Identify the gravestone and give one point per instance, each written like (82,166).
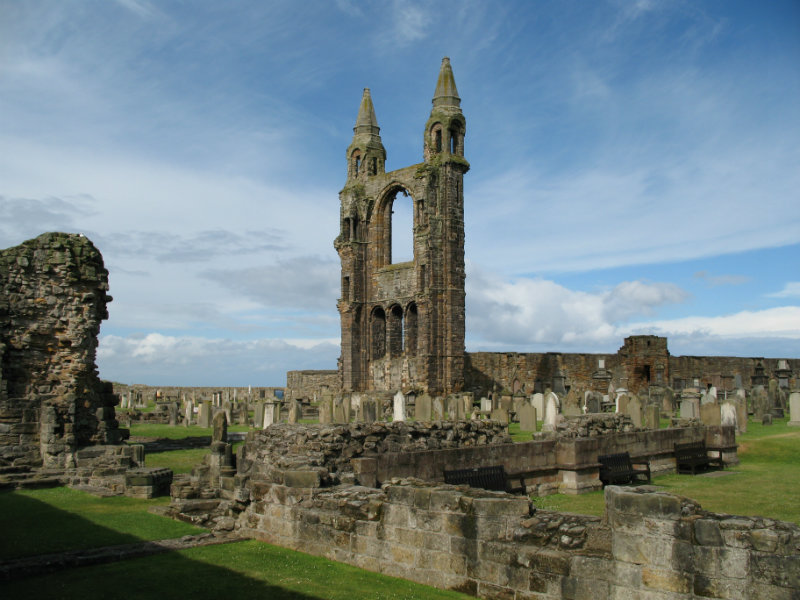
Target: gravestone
(622,402)
(500,415)
(272,413)
(220,431)
(527,418)
(339,410)
(438,409)
(226,406)
(550,412)
(466,405)
(204,414)
(325,408)
(455,408)
(519,402)
(258,415)
(242,414)
(570,406)
(652,416)
(741,414)
(368,409)
(399,407)
(690,405)
(172,409)
(422,410)
(538,403)
(710,414)
(295,412)
(634,410)
(728,414)
(794,409)
(594,402)
(766,419)
(486,405)
(506,402)
(188,413)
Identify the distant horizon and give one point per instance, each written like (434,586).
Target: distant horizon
(634,168)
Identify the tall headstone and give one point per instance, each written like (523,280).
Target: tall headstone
(652,415)
(340,410)
(466,405)
(527,417)
(295,412)
(399,407)
(622,402)
(538,403)
(258,415)
(220,431)
(794,409)
(272,413)
(728,414)
(570,407)
(550,412)
(710,414)
(204,414)
(423,408)
(326,411)
(486,405)
(438,409)
(188,413)
(172,410)
(634,410)
(226,406)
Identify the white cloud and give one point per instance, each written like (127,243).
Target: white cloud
(780,322)
(790,290)
(169,360)
(537,311)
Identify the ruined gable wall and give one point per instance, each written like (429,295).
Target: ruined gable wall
(309,384)
(51,400)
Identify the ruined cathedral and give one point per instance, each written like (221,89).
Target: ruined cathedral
(403,322)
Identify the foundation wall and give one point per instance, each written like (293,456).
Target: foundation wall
(649,545)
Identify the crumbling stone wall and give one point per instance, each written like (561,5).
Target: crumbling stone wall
(635,366)
(311,384)
(325,454)
(492,545)
(54,295)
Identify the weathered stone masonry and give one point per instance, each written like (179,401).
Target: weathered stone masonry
(57,419)
(54,295)
(403,322)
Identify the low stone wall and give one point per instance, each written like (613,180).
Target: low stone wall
(492,545)
(330,450)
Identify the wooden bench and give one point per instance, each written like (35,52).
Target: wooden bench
(488,478)
(693,457)
(619,468)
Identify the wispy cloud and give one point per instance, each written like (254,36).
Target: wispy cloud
(300,283)
(790,290)
(720,280)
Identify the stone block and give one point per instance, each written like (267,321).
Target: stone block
(301,479)
(666,580)
(707,532)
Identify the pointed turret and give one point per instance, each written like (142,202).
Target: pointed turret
(366,122)
(446,93)
(444,131)
(366,154)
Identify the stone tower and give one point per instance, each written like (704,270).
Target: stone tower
(403,322)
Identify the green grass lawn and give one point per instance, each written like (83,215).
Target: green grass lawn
(157,430)
(241,570)
(765,483)
(57,519)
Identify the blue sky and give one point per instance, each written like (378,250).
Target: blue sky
(635,168)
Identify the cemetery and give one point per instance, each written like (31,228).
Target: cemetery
(352,465)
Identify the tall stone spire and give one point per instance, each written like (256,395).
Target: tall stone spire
(445,129)
(366,155)
(446,93)
(366,122)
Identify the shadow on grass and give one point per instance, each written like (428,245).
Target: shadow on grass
(171,574)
